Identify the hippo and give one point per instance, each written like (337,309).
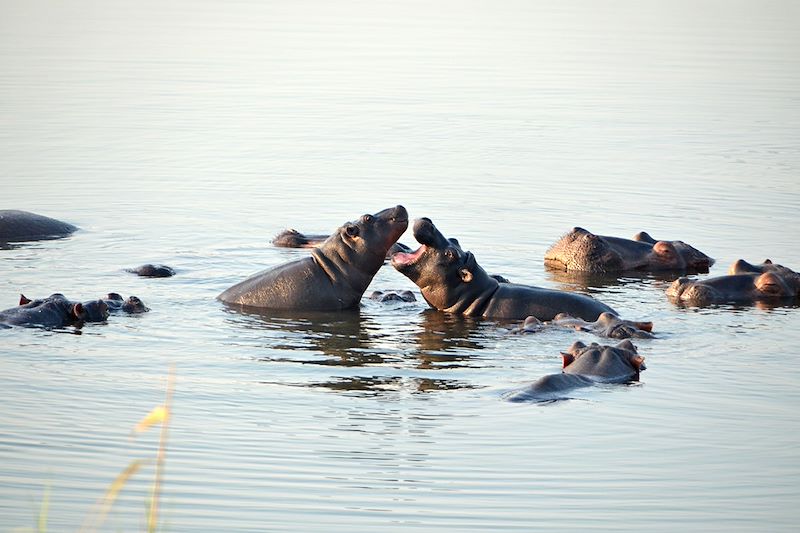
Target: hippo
(451,280)
(333,277)
(582,250)
(58,311)
(743,267)
(152,271)
(55,311)
(21,226)
(749,287)
(606,325)
(291,238)
(393,296)
(584,366)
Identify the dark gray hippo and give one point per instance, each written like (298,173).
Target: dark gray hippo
(606,325)
(393,296)
(333,277)
(584,366)
(291,238)
(55,311)
(582,250)
(451,280)
(743,267)
(769,287)
(152,271)
(21,226)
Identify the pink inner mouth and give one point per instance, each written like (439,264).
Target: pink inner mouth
(403,258)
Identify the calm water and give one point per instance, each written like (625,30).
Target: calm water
(189,133)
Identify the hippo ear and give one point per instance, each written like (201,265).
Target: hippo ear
(638,362)
(627,345)
(24,299)
(77,310)
(566,359)
(767,262)
(643,236)
(466,275)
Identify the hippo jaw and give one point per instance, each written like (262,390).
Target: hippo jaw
(374,235)
(439,267)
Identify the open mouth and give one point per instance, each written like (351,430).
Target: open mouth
(402,259)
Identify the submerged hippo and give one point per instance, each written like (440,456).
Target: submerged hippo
(55,311)
(606,325)
(584,366)
(20,226)
(334,276)
(393,296)
(152,271)
(451,280)
(58,311)
(582,250)
(291,238)
(770,287)
(743,267)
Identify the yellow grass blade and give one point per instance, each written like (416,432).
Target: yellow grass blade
(110,497)
(158,415)
(42,525)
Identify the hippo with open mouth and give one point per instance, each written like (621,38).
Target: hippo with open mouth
(584,366)
(582,250)
(451,280)
(333,277)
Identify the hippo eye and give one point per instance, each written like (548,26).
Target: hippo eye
(366,219)
(351,231)
(450,254)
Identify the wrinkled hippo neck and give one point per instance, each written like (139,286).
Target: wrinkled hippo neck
(474,297)
(334,264)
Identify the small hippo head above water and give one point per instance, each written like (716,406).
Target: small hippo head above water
(607,363)
(439,267)
(735,288)
(582,250)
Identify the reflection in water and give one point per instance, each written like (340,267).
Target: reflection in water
(592,280)
(373,385)
(433,341)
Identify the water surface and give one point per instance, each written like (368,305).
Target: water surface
(189,133)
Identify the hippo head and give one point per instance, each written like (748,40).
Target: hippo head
(747,287)
(790,277)
(582,250)
(94,311)
(674,255)
(609,362)
(373,235)
(439,267)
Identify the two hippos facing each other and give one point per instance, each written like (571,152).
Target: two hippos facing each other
(57,311)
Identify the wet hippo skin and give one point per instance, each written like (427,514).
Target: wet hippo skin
(152,271)
(583,251)
(20,226)
(451,280)
(584,366)
(333,277)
